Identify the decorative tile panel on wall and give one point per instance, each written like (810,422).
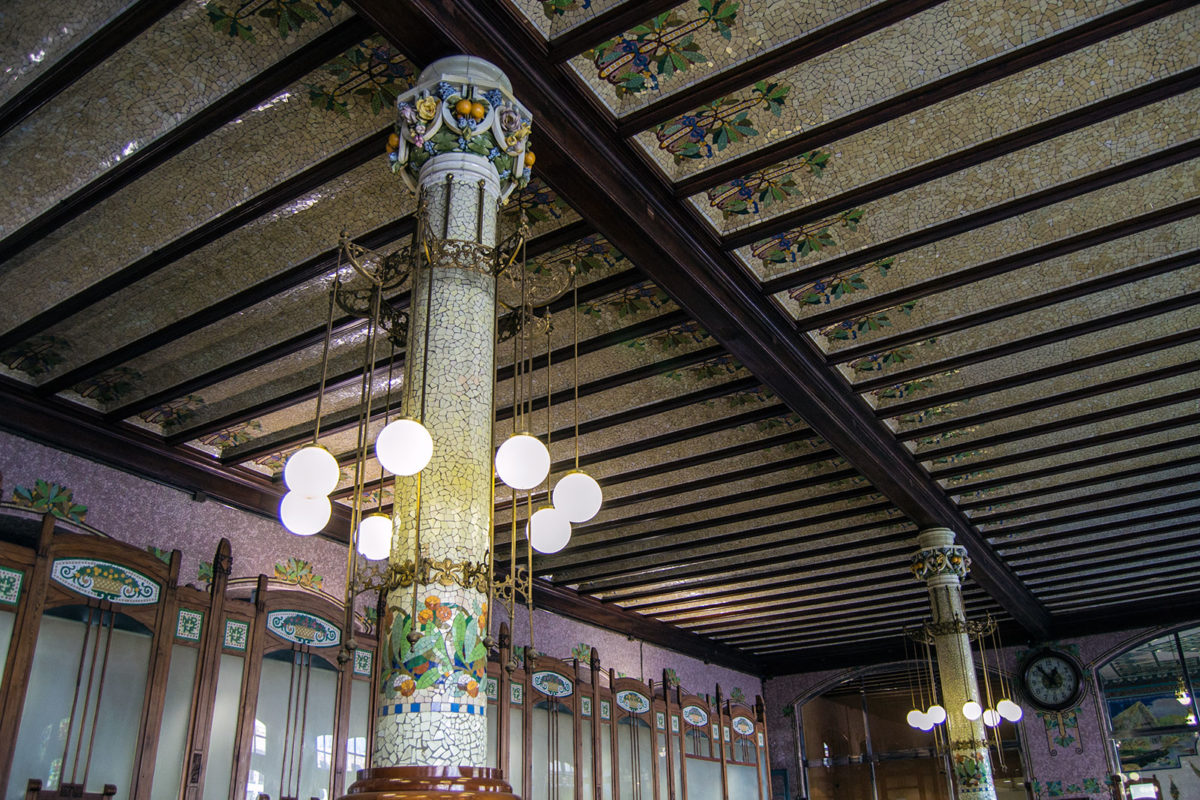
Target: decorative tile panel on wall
(10,585)
(237,633)
(188,625)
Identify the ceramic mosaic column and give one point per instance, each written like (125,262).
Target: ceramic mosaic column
(461,147)
(942,564)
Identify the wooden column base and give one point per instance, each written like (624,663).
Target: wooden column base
(430,783)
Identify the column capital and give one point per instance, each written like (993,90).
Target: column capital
(462,105)
(939,556)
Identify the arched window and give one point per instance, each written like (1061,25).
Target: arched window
(1152,711)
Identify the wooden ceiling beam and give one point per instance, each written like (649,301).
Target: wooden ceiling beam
(261,87)
(1015,346)
(805,47)
(1032,302)
(643,219)
(82,58)
(1115,355)
(1017,60)
(983,152)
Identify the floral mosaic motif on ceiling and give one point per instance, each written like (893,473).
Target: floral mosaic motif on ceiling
(759,394)
(878,362)
(860,326)
(628,302)
(174,412)
(273,461)
(899,391)
(834,287)
(233,435)
(52,498)
(645,56)
(36,356)
(370,73)
(948,436)
(758,191)
(675,336)
(537,201)
(958,458)
(709,368)
(558,8)
(722,122)
(795,243)
(281,17)
(108,387)
(933,412)
(298,572)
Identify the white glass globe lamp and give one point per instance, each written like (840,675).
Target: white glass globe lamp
(1010,710)
(404,447)
(522,462)
(548,530)
(991,718)
(926,723)
(311,471)
(302,515)
(915,718)
(578,496)
(936,714)
(375,537)
(972,710)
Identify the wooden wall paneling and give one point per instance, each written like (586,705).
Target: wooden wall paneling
(658,705)
(722,727)
(208,663)
(577,722)
(526,675)
(597,758)
(612,735)
(156,683)
(503,700)
(682,745)
(20,651)
(670,711)
(244,737)
(764,750)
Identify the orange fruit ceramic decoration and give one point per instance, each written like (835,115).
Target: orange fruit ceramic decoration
(529,158)
(393,142)
(478,111)
(462,107)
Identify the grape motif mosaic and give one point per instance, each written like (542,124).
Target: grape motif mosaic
(302,628)
(552,684)
(103,580)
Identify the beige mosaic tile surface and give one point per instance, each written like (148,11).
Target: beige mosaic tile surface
(277,140)
(1074,434)
(1058,88)
(555,17)
(941,41)
(36,35)
(1019,555)
(1127,257)
(1019,517)
(358,201)
(674,51)
(1058,161)
(1026,325)
(966,410)
(1130,487)
(110,112)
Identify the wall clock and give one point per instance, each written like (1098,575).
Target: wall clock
(1053,680)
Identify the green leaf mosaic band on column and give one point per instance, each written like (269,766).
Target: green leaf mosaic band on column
(461,143)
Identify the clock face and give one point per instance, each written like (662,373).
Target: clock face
(1052,681)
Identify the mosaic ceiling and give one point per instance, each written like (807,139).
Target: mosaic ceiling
(846,269)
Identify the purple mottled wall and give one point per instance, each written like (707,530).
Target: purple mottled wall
(1078,764)
(142,513)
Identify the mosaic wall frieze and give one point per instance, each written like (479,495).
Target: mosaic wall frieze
(912,53)
(193,69)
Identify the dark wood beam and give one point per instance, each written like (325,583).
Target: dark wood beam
(82,58)
(951,163)
(63,426)
(604,26)
(1060,424)
(1182,608)
(572,604)
(1116,355)
(1052,400)
(264,85)
(1055,296)
(1016,60)
(1073,465)
(643,219)
(1029,342)
(805,47)
(228,222)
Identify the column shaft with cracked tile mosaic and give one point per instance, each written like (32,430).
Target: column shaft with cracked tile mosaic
(432,708)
